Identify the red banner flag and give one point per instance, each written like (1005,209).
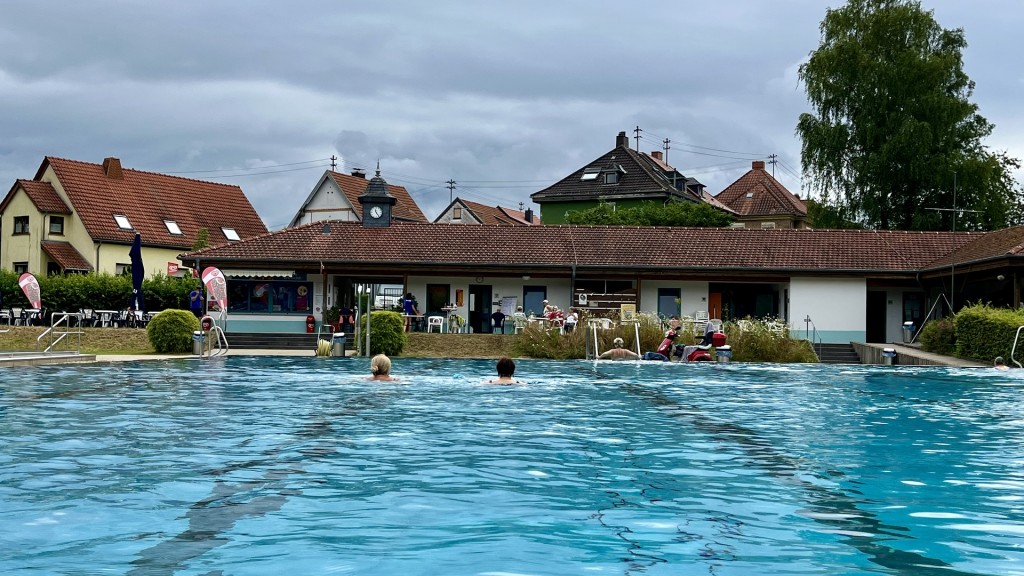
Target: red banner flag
(217,287)
(30,286)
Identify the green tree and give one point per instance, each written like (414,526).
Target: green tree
(202,240)
(894,132)
(690,214)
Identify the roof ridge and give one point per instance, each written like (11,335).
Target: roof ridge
(149,172)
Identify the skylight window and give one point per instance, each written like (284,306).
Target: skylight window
(230,234)
(591,173)
(172,227)
(122,222)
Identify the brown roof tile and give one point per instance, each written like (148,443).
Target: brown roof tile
(999,244)
(65,255)
(44,197)
(147,199)
(625,249)
(354,186)
(758,193)
(496,214)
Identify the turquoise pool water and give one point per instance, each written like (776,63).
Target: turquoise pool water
(267,465)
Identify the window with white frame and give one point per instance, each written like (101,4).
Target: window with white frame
(172,227)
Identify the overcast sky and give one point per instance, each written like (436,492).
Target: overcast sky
(505,98)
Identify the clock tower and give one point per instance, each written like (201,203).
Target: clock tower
(377,203)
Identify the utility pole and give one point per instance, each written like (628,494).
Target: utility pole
(637,131)
(451,189)
(334,162)
(952,267)
(773,159)
(665,146)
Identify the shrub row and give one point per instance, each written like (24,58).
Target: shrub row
(104,291)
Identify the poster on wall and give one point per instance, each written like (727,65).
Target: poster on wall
(508,305)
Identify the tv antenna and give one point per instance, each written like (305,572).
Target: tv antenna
(952,267)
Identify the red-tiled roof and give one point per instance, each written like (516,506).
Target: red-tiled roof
(42,195)
(493,214)
(147,199)
(996,245)
(65,255)
(354,186)
(758,193)
(618,248)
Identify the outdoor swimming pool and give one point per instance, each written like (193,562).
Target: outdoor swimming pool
(283,465)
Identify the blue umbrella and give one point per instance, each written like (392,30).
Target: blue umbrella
(138,272)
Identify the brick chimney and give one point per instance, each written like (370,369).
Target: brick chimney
(112,168)
(622,140)
(657,155)
(359,173)
(757,165)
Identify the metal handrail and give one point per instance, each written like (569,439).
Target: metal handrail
(221,339)
(814,335)
(1014,349)
(58,320)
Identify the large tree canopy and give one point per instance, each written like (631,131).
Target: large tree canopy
(894,134)
(690,214)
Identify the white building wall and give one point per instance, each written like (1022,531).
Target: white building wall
(836,306)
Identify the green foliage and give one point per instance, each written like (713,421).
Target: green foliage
(824,215)
(387,333)
(894,125)
(75,292)
(939,337)
(673,213)
(984,332)
(170,331)
(202,240)
(537,342)
(763,341)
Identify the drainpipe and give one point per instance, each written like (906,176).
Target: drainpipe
(98,246)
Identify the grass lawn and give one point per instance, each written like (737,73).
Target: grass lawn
(135,341)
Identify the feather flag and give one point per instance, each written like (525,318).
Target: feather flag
(30,286)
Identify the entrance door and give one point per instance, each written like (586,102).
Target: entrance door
(875,322)
(480,308)
(533,299)
(438,296)
(715,305)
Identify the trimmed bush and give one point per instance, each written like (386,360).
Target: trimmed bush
(984,332)
(387,333)
(939,337)
(170,332)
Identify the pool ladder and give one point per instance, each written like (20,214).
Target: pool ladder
(1013,350)
(216,347)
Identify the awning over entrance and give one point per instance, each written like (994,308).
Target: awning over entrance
(250,273)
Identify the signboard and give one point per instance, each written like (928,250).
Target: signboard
(172,268)
(627,312)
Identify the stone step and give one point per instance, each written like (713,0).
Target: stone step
(837,354)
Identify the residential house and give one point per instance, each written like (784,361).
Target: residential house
(761,201)
(623,177)
(76,216)
(461,211)
(336,197)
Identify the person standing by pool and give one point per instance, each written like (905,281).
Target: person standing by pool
(380,368)
(619,353)
(1000,364)
(195,298)
(506,368)
(409,310)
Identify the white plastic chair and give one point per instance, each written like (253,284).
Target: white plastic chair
(435,321)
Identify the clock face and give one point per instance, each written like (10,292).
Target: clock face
(375,212)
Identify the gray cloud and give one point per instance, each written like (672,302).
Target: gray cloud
(503,97)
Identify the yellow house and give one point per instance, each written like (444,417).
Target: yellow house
(79,217)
